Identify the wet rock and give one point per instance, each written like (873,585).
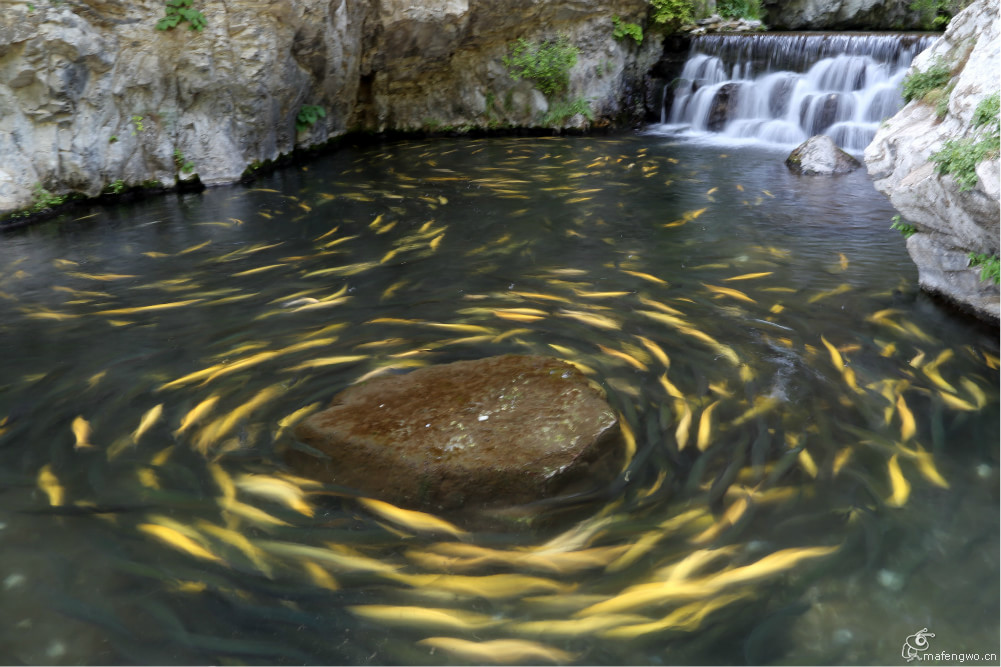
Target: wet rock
(819,155)
(487,433)
(841,15)
(951,222)
(722,107)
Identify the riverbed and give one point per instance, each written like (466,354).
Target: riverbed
(814,472)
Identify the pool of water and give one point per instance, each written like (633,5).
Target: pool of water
(815,468)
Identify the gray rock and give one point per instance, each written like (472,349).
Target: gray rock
(841,15)
(488,433)
(75,76)
(819,155)
(951,223)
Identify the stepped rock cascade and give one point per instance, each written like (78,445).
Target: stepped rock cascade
(783,89)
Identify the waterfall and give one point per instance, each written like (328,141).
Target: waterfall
(782,89)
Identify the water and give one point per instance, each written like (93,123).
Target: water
(782,89)
(798,346)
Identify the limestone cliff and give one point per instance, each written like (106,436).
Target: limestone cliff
(840,15)
(951,223)
(92,94)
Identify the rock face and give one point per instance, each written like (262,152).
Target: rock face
(91,93)
(950,222)
(819,155)
(840,15)
(492,432)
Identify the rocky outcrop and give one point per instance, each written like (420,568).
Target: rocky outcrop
(951,222)
(92,94)
(819,155)
(840,15)
(488,433)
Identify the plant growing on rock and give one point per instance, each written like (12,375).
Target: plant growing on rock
(936,14)
(546,64)
(563,110)
(907,229)
(621,30)
(184,165)
(960,157)
(671,14)
(176,11)
(308,115)
(990,266)
(739,9)
(917,84)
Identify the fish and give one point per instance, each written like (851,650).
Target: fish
(749,276)
(81,431)
(684,423)
(907,425)
(656,351)
(49,484)
(173,538)
(575,627)
(726,291)
(840,289)
(423,617)
(979,397)
(240,542)
(591,319)
(645,276)
(901,489)
(629,359)
(328,361)
(705,427)
(498,651)
(197,413)
(341,558)
(256,515)
(222,426)
(272,488)
(685,618)
(490,587)
(148,420)
(835,355)
(411,519)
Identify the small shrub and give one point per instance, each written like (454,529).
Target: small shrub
(987,110)
(907,229)
(990,266)
(918,84)
(116,187)
(546,64)
(562,111)
(112,139)
(960,157)
(308,114)
(137,125)
(739,9)
(176,11)
(936,14)
(621,30)
(185,166)
(671,14)
(42,199)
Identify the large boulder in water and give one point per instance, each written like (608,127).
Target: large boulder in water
(492,432)
(820,155)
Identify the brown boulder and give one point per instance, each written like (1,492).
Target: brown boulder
(492,432)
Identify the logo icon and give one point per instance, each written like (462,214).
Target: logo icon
(916,643)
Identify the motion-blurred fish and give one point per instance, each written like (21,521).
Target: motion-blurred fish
(272,488)
(411,519)
(705,427)
(81,431)
(148,420)
(178,540)
(901,489)
(727,291)
(423,617)
(197,413)
(499,651)
(49,484)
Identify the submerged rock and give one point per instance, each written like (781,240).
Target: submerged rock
(819,155)
(493,432)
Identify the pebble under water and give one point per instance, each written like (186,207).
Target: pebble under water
(813,471)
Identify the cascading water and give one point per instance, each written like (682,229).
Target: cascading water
(783,89)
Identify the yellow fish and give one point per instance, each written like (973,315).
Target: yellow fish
(148,420)
(645,276)
(749,276)
(50,485)
(901,487)
(705,427)
(411,519)
(81,430)
(835,355)
(499,651)
(726,291)
(278,490)
(907,425)
(423,617)
(196,413)
(178,540)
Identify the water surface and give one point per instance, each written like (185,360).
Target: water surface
(815,440)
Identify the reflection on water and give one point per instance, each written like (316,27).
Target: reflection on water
(815,469)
